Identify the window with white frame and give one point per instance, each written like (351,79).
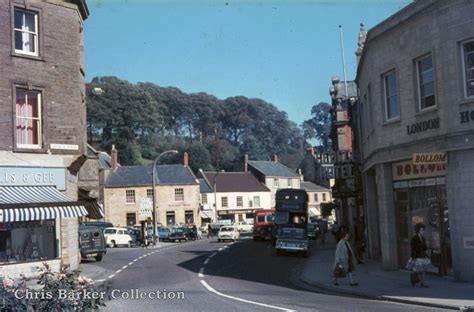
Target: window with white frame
(204,198)
(275,183)
(468,64)
(178,194)
(240,201)
(130,196)
(28,118)
(224,202)
(149,194)
(290,183)
(315,197)
(391,95)
(324,197)
(26,32)
(256,201)
(426,84)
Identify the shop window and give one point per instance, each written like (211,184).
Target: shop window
(27,241)
(170,218)
(131,219)
(130,196)
(204,199)
(26,32)
(468,64)
(256,201)
(240,201)
(28,118)
(391,96)
(179,194)
(189,216)
(426,84)
(224,202)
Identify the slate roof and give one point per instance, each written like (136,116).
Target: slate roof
(125,176)
(235,182)
(273,169)
(105,160)
(312,187)
(204,187)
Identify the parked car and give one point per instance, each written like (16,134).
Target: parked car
(292,239)
(100,224)
(178,234)
(228,233)
(136,235)
(92,242)
(243,226)
(164,234)
(313,231)
(118,236)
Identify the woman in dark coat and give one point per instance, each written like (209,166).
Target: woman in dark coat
(419,255)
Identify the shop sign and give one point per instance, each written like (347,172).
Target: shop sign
(423,126)
(235,211)
(407,170)
(468,242)
(430,158)
(31,176)
(67,147)
(467,116)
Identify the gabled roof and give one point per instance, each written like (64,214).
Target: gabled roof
(204,187)
(235,182)
(313,187)
(105,160)
(273,169)
(125,176)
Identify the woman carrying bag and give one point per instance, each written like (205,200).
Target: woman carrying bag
(419,261)
(344,260)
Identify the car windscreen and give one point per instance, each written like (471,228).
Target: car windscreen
(163,230)
(270,218)
(261,219)
(291,233)
(227,229)
(178,230)
(110,231)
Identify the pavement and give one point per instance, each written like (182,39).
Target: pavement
(378,284)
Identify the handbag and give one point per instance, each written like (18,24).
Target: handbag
(410,265)
(339,271)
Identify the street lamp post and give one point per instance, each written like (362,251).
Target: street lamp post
(215,194)
(153,177)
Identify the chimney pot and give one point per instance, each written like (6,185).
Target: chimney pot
(186,159)
(114,155)
(246,163)
(274,158)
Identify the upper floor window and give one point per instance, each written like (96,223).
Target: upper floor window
(225,203)
(240,201)
(468,64)
(204,198)
(275,183)
(28,118)
(391,96)
(179,194)
(324,197)
(315,197)
(426,86)
(290,184)
(26,32)
(256,201)
(130,196)
(149,194)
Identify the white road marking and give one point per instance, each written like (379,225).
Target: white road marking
(117,272)
(124,267)
(201,272)
(220,249)
(135,260)
(207,261)
(243,300)
(213,254)
(130,263)
(99,281)
(111,276)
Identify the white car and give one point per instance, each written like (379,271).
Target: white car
(228,233)
(243,226)
(117,236)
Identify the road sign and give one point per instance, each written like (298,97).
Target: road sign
(146,207)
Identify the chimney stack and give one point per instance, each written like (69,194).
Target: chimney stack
(186,159)
(310,151)
(114,155)
(246,163)
(274,158)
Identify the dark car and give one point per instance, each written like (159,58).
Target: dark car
(136,235)
(92,242)
(313,230)
(100,224)
(292,239)
(164,234)
(178,234)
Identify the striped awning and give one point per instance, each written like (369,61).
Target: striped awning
(28,203)
(94,209)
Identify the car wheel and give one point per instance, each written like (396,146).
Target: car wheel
(113,244)
(129,245)
(98,258)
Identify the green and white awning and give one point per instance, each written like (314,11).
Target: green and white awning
(29,203)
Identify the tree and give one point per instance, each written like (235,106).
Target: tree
(319,126)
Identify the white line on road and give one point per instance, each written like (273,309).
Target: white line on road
(213,254)
(117,272)
(130,263)
(111,276)
(124,267)
(243,300)
(201,272)
(207,261)
(220,249)
(99,280)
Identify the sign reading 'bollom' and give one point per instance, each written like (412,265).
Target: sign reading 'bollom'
(33,176)
(430,158)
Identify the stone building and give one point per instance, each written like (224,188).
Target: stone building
(177,195)
(317,195)
(42,133)
(416,133)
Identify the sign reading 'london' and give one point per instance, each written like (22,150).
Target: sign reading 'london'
(423,126)
(33,176)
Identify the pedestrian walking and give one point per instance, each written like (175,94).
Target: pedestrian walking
(359,237)
(209,231)
(419,261)
(344,259)
(335,231)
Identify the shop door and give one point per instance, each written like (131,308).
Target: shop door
(403,226)
(439,222)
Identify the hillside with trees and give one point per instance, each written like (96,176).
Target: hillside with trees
(144,119)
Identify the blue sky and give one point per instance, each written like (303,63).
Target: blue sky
(284,52)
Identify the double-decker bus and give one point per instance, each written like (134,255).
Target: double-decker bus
(263,224)
(291,209)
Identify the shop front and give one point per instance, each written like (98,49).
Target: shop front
(231,216)
(420,196)
(36,220)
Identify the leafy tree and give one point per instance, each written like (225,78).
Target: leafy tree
(319,126)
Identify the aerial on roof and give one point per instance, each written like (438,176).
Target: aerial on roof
(141,175)
(273,169)
(234,182)
(313,187)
